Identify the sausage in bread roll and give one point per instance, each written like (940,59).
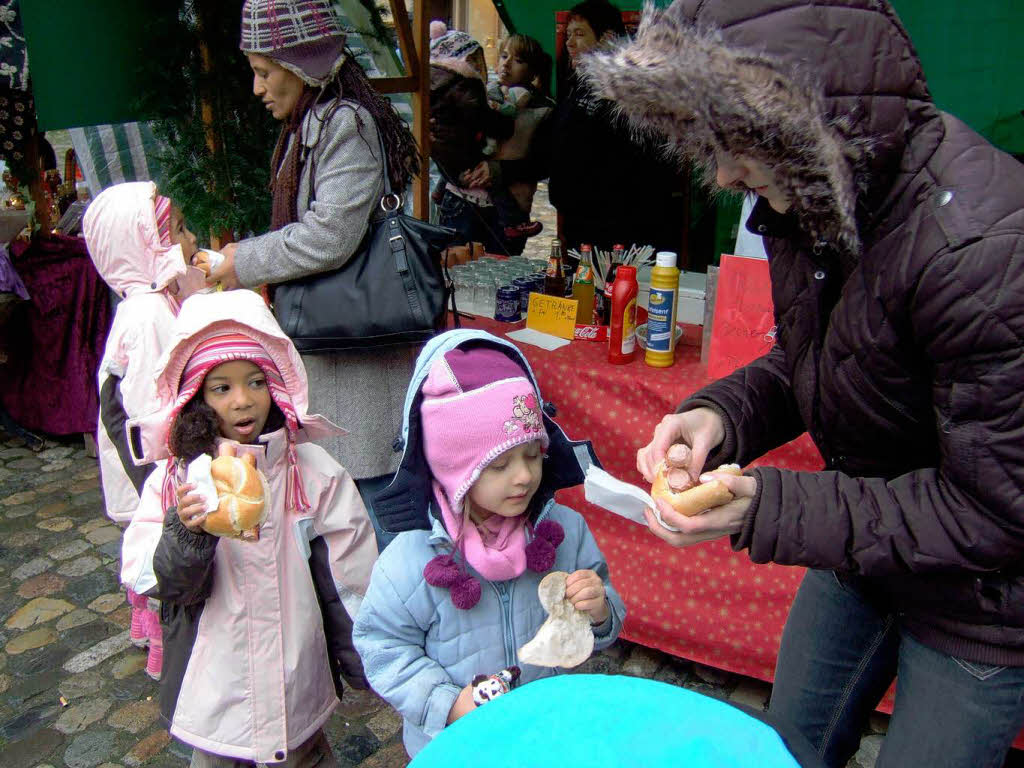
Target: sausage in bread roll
(694,500)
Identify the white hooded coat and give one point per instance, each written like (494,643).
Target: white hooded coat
(121,233)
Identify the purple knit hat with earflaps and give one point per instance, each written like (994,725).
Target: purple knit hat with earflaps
(452,50)
(303,36)
(477,404)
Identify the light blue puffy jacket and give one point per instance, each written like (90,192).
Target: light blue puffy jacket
(418,649)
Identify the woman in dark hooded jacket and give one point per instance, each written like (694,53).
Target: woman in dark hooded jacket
(895,236)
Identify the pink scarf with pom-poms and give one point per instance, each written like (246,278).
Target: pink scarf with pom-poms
(499,553)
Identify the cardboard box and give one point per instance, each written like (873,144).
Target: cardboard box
(689,303)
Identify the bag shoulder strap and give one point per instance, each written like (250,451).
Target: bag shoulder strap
(384,170)
(384,163)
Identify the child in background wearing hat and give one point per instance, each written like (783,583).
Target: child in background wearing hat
(139,243)
(249,672)
(458,597)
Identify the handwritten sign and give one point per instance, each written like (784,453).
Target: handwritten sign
(552,314)
(743,328)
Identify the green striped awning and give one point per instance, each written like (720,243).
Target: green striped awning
(111,154)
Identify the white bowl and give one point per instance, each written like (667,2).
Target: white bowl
(641,335)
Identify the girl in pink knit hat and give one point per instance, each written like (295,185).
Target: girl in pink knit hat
(455,595)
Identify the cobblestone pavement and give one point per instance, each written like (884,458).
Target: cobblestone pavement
(73,690)
(542,211)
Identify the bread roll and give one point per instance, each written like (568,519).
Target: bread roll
(240,491)
(207,260)
(695,500)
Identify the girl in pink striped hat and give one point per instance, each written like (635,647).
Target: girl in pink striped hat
(250,674)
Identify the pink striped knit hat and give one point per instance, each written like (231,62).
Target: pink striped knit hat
(162,209)
(220,348)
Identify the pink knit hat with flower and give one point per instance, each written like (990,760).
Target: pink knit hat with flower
(477,404)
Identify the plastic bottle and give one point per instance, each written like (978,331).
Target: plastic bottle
(583,287)
(661,311)
(554,280)
(622,333)
(605,305)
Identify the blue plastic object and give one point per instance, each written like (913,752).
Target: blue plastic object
(605,721)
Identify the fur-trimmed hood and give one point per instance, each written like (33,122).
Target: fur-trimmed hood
(826,95)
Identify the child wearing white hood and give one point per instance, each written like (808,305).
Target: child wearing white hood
(139,243)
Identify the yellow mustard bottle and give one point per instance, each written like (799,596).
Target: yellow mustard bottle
(661,311)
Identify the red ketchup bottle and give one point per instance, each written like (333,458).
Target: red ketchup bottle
(622,333)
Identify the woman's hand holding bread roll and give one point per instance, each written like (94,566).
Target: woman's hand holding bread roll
(713,522)
(702,505)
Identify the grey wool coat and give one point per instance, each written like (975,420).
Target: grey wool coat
(361,391)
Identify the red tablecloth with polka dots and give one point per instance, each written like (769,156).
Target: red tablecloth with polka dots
(705,603)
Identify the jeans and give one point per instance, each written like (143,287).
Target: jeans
(839,654)
(368,488)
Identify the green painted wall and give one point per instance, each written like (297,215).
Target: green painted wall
(974,61)
(972,55)
(86,58)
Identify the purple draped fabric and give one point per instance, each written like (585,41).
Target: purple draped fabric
(10,281)
(56,339)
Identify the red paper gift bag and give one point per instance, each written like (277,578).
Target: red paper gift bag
(743,327)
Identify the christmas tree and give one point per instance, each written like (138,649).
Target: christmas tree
(216,137)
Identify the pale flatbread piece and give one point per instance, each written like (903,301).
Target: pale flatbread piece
(566,638)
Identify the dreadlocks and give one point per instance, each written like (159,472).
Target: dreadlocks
(351,84)
(400,146)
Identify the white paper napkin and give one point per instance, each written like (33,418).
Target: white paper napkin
(215,258)
(538,339)
(198,474)
(623,499)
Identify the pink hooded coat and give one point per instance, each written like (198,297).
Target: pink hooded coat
(121,233)
(255,682)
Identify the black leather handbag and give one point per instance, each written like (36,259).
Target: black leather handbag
(392,291)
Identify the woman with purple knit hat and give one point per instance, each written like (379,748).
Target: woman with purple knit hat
(327,182)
